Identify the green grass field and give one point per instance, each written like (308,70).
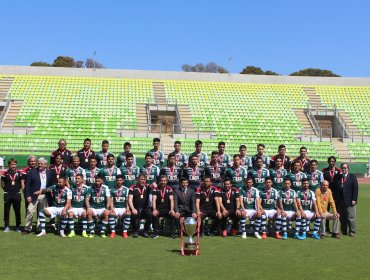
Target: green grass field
(52,257)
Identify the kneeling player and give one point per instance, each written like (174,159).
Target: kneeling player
(289,209)
(61,199)
(97,205)
(229,207)
(250,205)
(119,207)
(306,201)
(79,192)
(269,209)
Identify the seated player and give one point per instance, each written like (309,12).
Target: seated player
(251,208)
(61,199)
(269,198)
(289,209)
(78,210)
(229,207)
(97,204)
(184,201)
(139,202)
(163,206)
(306,202)
(215,170)
(206,200)
(119,207)
(109,172)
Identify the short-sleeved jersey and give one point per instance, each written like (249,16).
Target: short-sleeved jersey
(98,197)
(229,197)
(130,174)
(58,172)
(151,172)
(250,197)
(79,195)
(237,176)
(90,175)
(305,163)
(60,196)
(297,180)
(315,179)
(163,197)
(181,159)
(140,196)
(110,175)
(266,160)
(173,175)
(307,199)
(269,198)
(259,177)
(286,162)
(278,178)
(216,172)
(202,158)
(207,198)
(102,158)
(84,157)
(67,156)
(287,199)
(194,176)
(12,181)
(121,160)
(224,159)
(120,196)
(246,162)
(72,172)
(158,157)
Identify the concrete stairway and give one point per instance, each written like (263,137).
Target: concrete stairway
(185,117)
(141,117)
(159,93)
(5,84)
(307,128)
(342,149)
(11,115)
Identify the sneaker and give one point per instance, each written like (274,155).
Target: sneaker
(102,235)
(235,232)
(145,234)
(42,233)
(54,227)
(72,234)
(303,236)
(285,236)
(124,234)
(244,235)
(92,234)
(62,234)
(135,234)
(112,235)
(258,236)
(18,229)
(7,229)
(297,236)
(315,236)
(352,234)
(224,233)
(336,235)
(84,234)
(155,236)
(264,236)
(277,235)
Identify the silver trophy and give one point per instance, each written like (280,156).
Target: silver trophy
(190,226)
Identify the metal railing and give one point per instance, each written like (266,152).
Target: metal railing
(16,127)
(321,134)
(5,109)
(192,131)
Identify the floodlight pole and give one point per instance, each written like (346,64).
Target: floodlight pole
(94,59)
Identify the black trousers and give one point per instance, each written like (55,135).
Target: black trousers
(163,213)
(15,200)
(231,216)
(142,214)
(210,213)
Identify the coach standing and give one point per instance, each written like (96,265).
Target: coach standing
(347,193)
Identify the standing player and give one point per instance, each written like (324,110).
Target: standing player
(201,156)
(73,171)
(119,207)
(85,153)
(236,173)
(278,173)
(245,161)
(158,156)
(172,172)
(62,150)
(194,173)
(78,210)
(92,171)
(121,159)
(129,171)
(269,198)
(110,172)
(289,210)
(306,202)
(97,204)
(303,159)
(296,176)
(150,170)
(181,160)
(61,203)
(314,176)
(215,170)
(251,207)
(223,159)
(261,154)
(102,156)
(259,173)
(58,169)
(286,161)
(229,206)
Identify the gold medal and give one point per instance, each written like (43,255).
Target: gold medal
(86,160)
(57,176)
(162,200)
(13,183)
(228,201)
(323,203)
(141,196)
(207,199)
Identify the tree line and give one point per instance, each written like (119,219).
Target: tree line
(69,62)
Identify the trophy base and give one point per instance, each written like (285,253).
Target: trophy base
(190,249)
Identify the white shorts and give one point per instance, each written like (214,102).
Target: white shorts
(77,211)
(289,214)
(270,213)
(98,212)
(250,213)
(119,211)
(54,211)
(309,214)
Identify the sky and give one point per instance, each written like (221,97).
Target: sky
(283,36)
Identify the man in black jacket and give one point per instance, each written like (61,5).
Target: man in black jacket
(346,194)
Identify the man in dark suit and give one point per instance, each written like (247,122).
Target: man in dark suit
(37,181)
(184,200)
(346,188)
